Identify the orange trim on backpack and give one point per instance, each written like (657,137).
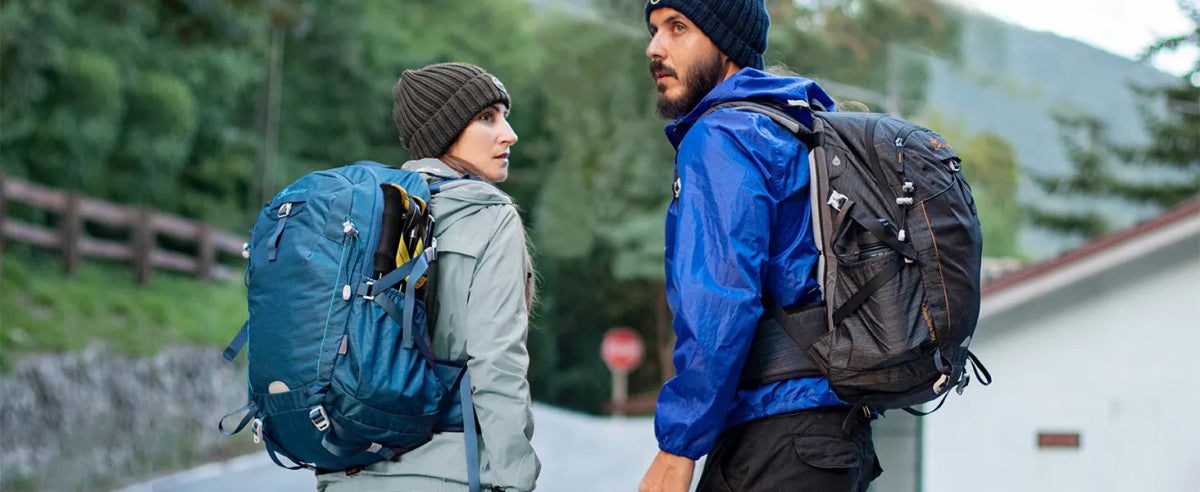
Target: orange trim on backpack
(939,262)
(929,323)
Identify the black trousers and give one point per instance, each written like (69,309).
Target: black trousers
(805,451)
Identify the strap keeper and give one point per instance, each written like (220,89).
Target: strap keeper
(904,200)
(319,418)
(364,290)
(836,200)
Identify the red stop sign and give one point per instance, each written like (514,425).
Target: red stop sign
(621,349)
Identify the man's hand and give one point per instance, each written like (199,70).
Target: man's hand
(668,473)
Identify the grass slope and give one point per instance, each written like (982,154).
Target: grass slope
(43,310)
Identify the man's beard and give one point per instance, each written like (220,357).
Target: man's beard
(700,80)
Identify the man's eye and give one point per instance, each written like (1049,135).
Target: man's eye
(679,27)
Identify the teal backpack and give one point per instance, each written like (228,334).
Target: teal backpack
(341,374)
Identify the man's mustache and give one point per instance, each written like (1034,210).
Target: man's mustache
(657,68)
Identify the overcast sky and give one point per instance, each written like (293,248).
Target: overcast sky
(1124,27)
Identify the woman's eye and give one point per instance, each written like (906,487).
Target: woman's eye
(487,118)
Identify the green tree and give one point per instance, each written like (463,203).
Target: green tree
(599,213)
(129,100)
(1161,173)
(866,44)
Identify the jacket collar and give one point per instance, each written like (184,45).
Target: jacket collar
(757,85)
(433,167)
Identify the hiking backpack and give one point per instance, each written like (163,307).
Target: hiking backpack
(341,374)
(900,250)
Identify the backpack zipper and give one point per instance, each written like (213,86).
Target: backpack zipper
(928,323)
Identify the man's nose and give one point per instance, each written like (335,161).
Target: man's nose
(654,49)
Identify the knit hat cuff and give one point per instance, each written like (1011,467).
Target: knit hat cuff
(438,132)
(724,36)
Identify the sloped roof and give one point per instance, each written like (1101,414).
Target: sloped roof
(1181,223)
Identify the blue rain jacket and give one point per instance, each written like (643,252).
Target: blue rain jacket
(739,227)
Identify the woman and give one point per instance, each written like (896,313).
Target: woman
(452,119)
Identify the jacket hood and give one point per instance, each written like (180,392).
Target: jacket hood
(459,199)
(760,86)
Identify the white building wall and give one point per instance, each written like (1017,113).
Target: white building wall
(1115,358)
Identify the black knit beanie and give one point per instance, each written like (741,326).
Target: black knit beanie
(434,104)
(737,27)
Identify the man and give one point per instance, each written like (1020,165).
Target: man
(738,233)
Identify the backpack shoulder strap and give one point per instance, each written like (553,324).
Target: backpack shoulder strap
(776,114)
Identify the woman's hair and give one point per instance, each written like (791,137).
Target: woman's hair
(460,165)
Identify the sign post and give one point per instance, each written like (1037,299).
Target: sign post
(622,351)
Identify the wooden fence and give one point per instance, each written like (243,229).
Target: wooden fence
(145,225)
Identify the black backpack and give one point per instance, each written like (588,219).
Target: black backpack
(900,249)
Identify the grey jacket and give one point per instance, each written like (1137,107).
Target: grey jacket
(482,314)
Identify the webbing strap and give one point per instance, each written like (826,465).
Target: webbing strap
(436,187)
(780,117)
(274,449)
(472,444)
(239,341)
(410,301)
(864,292)
(872,225)
(250,410)
(977,366)
(918,413)
(398,275)
(273,242)
(336,442)
(390,307)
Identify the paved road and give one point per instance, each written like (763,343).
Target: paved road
(578,452)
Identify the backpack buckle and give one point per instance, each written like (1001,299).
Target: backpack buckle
(940,385)
(836,200)
(364,290)
(431,251)
(319,418)
(256,428)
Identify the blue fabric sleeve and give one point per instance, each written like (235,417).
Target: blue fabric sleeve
(715,270)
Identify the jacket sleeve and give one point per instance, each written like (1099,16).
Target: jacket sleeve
(722,221)
(497,318)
